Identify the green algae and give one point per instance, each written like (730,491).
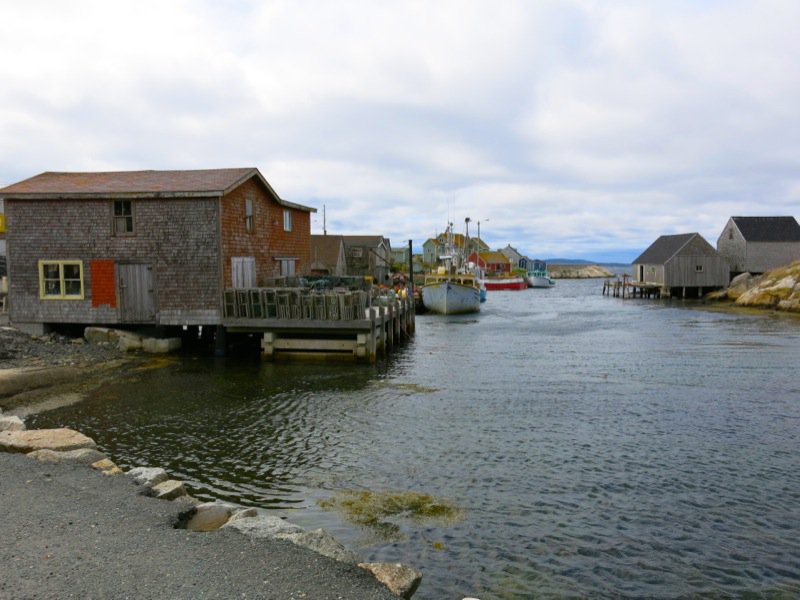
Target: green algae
(380,510)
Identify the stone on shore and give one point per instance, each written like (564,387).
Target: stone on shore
(264,526)
(399,578)
(209,516)
(11,424)
(123,340)
(38,439)
(84,456)
(322,542)
(107,467)
(169,490)
(161,345)
(148,476)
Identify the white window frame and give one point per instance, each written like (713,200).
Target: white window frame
(288,266)
(287,219)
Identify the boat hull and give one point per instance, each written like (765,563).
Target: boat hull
(540,281)
(450,298)
(506,283)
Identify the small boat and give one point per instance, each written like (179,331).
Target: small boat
(451,293)
(539,276)
(505,282)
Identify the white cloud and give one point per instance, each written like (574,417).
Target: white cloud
(569,127)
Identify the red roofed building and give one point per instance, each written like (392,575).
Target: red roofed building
(145,247)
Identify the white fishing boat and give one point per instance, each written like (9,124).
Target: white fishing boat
(451,293)
(451,289)
(538,276)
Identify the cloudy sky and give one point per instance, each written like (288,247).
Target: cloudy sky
(568,128)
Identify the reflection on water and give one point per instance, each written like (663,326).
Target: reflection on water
(597,447)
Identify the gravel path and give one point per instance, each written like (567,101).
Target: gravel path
(70,532)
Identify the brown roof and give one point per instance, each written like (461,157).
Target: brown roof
(325,250)
(152,184)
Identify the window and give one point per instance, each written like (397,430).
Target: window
(248,214)
(287,266)
(123,217)
(287,220)
(61,279)
(698,268)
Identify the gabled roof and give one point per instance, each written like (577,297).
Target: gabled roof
(364,240)
(493,257)
(325,250)
(768,229)
(138,184)
(664,248)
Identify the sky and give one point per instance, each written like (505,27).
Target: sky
(567,128)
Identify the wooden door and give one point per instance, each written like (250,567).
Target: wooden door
(136,293)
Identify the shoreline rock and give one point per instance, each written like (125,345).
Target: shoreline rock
(63,445)
(778,289)
(578,271)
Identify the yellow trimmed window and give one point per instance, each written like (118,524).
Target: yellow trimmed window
(61,279)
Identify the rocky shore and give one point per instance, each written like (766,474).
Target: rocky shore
(84,535)
(578,271)
(778,289)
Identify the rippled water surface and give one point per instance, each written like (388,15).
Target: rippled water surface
(597,447)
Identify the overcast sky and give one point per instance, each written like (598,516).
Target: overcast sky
(568,128)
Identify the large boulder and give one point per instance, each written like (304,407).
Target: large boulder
(124,340)
(161,345)
(209,516)
(779,289)
(38,439)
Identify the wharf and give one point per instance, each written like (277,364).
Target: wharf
(301,323)
(625,288)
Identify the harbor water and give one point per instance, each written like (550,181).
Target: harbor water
(567,444)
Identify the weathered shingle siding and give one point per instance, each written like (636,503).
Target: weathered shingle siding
(268,240)
(763,256)
(177,237)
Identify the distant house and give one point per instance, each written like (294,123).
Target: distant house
(493,263)
(433,248)
(758,244)
(368,255)
(145,247)
(400,256)
(517,259)
(682,265)
(328,255)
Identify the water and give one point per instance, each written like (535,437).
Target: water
(598,447)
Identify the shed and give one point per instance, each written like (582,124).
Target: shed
(683,264)
(328,255)
(758,244)
(145,247)
(493,263)
(368,256)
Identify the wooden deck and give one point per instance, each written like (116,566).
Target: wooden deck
(299,324)
(625,288)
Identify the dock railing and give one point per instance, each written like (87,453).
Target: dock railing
(305,303)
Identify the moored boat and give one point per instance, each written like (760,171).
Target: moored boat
(505,282)
(538,276)
(451,294)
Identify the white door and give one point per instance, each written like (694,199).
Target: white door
(243,270)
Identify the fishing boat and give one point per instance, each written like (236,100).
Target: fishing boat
(538,276)
(451,289)
(451,293)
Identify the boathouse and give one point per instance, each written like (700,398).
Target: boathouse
(683,265)
(145,247)
(758,244)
